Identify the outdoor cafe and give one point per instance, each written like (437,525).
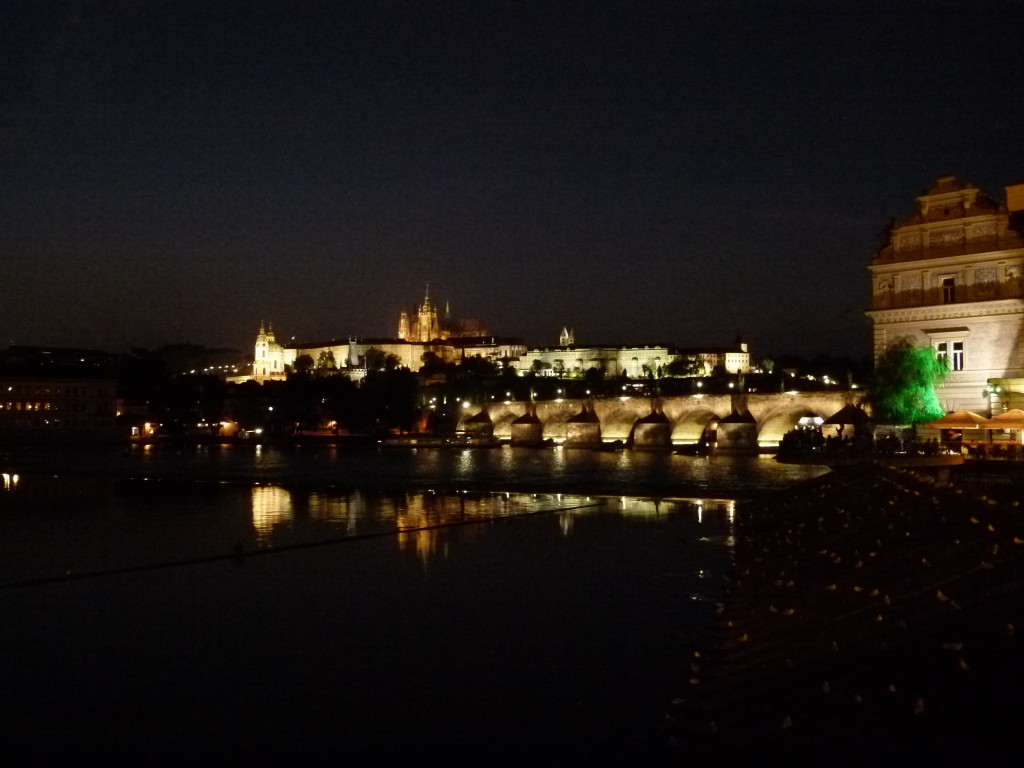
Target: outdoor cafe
(980,437)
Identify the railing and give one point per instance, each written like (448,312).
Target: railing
(893,446)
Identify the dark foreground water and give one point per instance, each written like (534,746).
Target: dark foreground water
(431,620)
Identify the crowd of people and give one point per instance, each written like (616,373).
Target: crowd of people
(806,441)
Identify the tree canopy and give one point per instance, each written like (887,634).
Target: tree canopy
(903,391)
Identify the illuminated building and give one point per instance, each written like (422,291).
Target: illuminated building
(636,362)
(570,360)
(425,325)
(426,330)
(734,359)
(51,406)
(419,332)
(952,276)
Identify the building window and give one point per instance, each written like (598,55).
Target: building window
(956,362)
(948,290)
(941,350)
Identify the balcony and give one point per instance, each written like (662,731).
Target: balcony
(961,294)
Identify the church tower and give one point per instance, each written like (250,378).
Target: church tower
(428,327)
(427,322)
(566,338)
(268,360)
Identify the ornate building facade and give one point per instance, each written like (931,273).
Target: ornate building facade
(951,275)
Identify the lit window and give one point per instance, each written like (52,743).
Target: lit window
(948,290)
(957,361)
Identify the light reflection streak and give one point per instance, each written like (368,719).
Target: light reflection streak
(426,523)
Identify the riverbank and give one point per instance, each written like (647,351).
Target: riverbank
(506,469)
(868,614)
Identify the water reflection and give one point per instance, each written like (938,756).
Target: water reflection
(271,507)
(514,469)
(419,520)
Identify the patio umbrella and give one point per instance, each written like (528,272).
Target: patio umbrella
(849,414)
(960,420)
(1013,419)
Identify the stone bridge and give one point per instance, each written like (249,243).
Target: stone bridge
(738,420)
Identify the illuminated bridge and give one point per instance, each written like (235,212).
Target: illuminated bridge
(738,421)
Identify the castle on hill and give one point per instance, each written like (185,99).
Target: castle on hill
(427,330)
(421,331)
(424,324)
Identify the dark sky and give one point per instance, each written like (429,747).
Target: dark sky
(677,172)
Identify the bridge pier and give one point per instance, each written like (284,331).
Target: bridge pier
(479,425)
(583,429)
(527,430)
(737,433)
(652,431)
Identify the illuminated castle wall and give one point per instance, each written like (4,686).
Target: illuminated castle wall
(952,276)
(419,332)
(424,330)
(632,361)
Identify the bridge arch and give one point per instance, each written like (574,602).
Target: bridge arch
(618,418)
(690,424)
(503,416)
(776,423)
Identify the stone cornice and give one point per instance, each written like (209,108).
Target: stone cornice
(948,311)
(945,262)
(962,221)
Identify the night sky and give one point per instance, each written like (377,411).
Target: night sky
(679,172)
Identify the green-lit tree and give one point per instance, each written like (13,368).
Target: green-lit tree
(903,391)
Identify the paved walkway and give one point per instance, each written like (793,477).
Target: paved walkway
(868,613)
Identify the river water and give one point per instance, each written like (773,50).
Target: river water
(370,605)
